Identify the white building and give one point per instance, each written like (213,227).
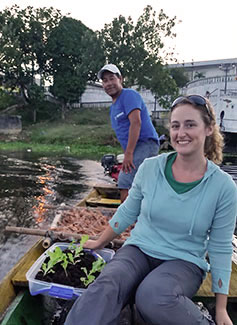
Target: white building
(217,80)
(95,96)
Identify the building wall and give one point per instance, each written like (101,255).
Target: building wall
(95,96)
(210,68)
(10,124)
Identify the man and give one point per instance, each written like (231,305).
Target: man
(132,125)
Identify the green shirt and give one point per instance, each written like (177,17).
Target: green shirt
(178,187)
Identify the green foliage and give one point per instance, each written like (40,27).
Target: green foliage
(24,34)
(35,94)
(7,99)
(179,76)
(76,56)
(162,85)
(46,111)
(97,266)
(133,47)
(199,75)
(54,257)
(77,250)
(83,126)
(58,256)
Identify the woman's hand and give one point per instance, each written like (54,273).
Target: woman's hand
(93,244)
(107,236)
(222,317)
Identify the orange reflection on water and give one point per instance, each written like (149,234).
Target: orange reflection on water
(40,208)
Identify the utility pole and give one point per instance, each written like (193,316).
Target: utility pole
(226,67)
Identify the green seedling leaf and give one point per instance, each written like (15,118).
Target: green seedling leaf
(58,256)
(97,266)
(72,246)
(54,257)
(46,268)
(65,263)
(79,248)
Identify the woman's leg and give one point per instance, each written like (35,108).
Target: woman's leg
(164,296)
(102,302)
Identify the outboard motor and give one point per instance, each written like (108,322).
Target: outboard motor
(112,165)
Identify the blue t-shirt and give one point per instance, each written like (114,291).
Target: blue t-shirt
(127,101)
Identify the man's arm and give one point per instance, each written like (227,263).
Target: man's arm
(133,136)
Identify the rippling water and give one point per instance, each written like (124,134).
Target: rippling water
(31,190)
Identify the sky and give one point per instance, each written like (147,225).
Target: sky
(207,28)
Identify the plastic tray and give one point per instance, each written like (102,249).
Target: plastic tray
(54,289)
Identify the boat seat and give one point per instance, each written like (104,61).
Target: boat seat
(100,201)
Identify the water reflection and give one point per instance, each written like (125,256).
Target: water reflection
(32,189)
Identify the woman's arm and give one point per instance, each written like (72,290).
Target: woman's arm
(222,317)
(107,236)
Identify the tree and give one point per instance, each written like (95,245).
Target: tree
(139,50)
(134,46)
(162,84)
(179,76)
(23,37)
(199,75)
(76,56)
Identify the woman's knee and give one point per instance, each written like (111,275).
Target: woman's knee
(155,298)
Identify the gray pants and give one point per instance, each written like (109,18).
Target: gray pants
(143,150)
(162,291)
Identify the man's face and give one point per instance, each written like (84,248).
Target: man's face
(112,84)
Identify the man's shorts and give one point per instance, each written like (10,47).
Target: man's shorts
(144,149)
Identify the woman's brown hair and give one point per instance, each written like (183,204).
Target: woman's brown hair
(213,147)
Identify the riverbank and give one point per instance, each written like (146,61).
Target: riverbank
(85,133)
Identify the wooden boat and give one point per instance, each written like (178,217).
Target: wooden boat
(17,306)
(103,195)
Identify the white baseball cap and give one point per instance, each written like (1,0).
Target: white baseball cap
(108,67)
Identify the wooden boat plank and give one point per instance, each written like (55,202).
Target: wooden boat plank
(19,278)
(100,201)
(110,191)
(7,289)
(92,194)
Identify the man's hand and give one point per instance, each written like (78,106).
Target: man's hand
(134,131)
(128,163)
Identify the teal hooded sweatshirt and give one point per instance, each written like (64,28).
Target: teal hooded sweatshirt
(184,226)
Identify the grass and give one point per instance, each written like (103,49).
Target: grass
(85,133)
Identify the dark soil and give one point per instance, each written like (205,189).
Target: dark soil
(74,272)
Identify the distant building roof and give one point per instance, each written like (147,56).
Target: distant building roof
(203,63)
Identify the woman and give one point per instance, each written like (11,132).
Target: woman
(184,206)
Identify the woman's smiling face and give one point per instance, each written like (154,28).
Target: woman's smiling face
(188,130)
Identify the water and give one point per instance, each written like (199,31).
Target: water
(31,192)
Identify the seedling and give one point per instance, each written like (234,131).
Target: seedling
(54,257)
(58,256)
(77,250)
(97,266)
